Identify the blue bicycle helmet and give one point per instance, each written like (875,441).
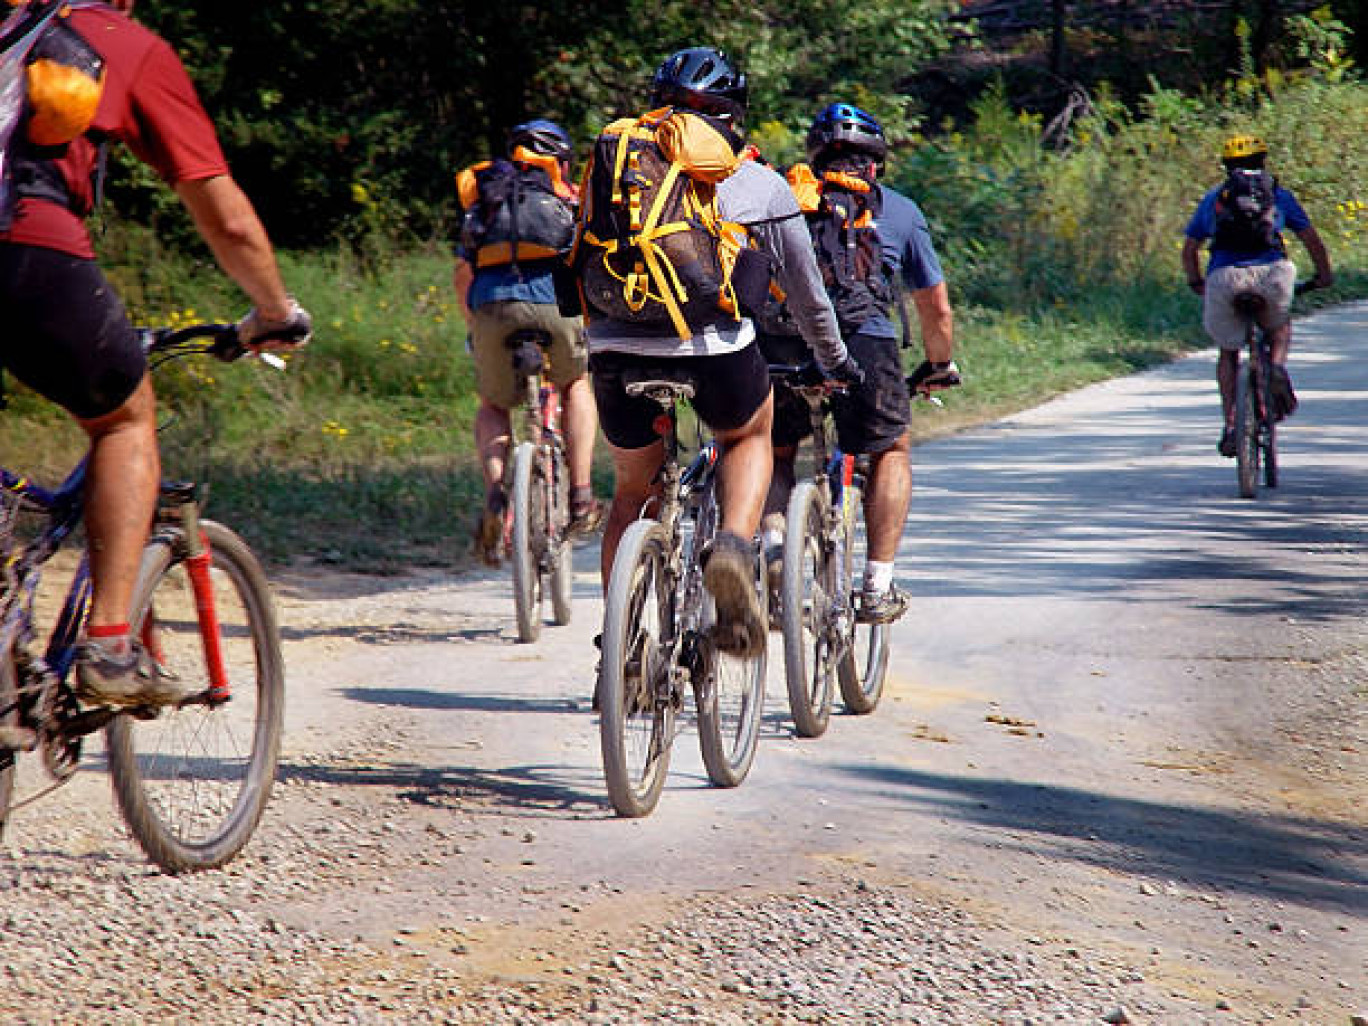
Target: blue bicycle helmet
(847,128)
(541,136)
(702,79)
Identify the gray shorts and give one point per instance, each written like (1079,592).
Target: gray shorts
(1273,281)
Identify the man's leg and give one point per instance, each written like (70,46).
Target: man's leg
(1227,372)
(493,429)
(581,427)
(634,483)
(121,498)
(888,495)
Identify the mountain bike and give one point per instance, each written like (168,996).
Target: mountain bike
(657,638)
(191,780)
(823,643)
(538,485)
(1256,415)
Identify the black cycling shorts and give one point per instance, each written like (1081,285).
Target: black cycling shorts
(871,417)
(792,415)
(728,390)
(64,332)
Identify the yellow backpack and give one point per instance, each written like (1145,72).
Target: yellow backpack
(650,247)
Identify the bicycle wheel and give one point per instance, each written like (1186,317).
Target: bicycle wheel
(9,717)
(529,539)
(810,587)
(563,558)
(636,721)
(1246,437)
(862,669)
(729,692)
(193,782)
(1269,438)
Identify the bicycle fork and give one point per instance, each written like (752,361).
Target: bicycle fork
(198,564)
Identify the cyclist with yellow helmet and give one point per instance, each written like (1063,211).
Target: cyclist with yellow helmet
(1243,219)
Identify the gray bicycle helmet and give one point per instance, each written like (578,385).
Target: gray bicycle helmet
(702,79)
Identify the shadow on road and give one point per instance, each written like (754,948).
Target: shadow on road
(1299,860)
(419,698)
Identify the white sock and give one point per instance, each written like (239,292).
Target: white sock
(878,577)
(770,538)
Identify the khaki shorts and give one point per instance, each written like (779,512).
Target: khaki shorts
(1273,281)
(492,323)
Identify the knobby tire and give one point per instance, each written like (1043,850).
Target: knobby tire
(636,727)
(9,717)
(529,539)
(1246,437)
(865,665)
(193,783)
(809,588)
(563,562)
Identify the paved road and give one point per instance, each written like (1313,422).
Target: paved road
(1127,716)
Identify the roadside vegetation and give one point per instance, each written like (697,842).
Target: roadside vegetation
(1060,242)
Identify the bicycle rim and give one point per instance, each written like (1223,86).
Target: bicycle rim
(808,594)
(1246,438)
(528,539)
(193,782)
(636,722)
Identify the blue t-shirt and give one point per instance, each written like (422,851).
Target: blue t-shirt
(531,283)
(1289,214)
(907,249)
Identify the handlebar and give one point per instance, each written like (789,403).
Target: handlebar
(223,342)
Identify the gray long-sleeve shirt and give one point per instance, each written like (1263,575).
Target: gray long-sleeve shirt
(757,197)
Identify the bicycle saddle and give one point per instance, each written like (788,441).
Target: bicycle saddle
(1249,303)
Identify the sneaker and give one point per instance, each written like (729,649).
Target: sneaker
(729,576)
(585,518)
(489,529)
(881,607)
(1226,446)
(1284,399)
(104,678)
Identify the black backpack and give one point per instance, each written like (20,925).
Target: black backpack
(849,252)
(1246,213)
(514,215)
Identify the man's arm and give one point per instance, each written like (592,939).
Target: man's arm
(461,279)
(1315,248)
(229,223)
(937,321)
(1192,264)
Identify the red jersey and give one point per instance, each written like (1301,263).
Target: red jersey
(150,104)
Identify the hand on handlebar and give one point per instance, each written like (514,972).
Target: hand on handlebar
(932,377)
(847,373)
(256,333)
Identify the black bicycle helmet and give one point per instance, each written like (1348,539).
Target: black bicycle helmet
(541,136)
(846,128)
(702,79)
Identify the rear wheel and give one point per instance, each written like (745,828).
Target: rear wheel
(193,781)
(810,590)
(9,717)
(528,541)
(1270,435)
(636,720)
(865,664)
(1246,438)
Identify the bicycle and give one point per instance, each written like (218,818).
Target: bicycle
(823,642)
(190,780)
(1256,415)
(537,482)
(657,638)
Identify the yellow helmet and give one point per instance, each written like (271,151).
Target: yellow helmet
(1238,146)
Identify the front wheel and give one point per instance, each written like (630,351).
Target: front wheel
(1246,437)
(529,540)
(9,717)
(637,709)
(811,589)
(563,558)
(864,665)
(193,781)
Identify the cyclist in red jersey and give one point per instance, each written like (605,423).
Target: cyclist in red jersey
(67,335)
